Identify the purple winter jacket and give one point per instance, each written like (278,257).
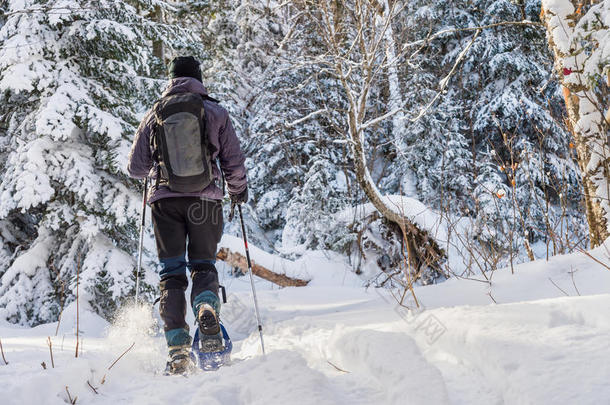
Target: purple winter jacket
(221,134)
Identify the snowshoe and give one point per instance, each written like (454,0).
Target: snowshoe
(208,321)
(209,328)
(180,362)
(212,360)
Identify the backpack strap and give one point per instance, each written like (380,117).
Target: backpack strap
(212,148)
(154,142)
(212,99)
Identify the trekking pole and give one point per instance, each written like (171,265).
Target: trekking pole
(258,317)
(141,243)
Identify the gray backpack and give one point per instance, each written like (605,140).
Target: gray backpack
(180,143)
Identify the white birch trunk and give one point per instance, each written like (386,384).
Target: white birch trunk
(396,101)
(569,32)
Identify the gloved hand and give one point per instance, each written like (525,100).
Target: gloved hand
(237,199)
(240,198)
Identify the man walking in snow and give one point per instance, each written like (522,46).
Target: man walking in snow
(177,145)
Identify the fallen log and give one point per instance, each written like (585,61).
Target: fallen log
(238,260)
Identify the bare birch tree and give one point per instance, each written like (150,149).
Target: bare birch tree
(356,52)
(579,36)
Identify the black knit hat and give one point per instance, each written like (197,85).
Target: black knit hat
(184,66)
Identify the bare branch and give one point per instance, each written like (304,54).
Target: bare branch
(50,344)
(116,361)
(443,83)
(77,308)
(381,118)
(92,387)
(432,37)
(72,400)
(305,118)
(593,258)
(572,271)
(337,368)
(2,351)
(559,288)
(121,356)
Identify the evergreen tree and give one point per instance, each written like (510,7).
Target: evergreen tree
(496,124)
(74,77)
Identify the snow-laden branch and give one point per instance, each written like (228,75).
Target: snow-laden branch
(305,118)
(381,118)
(479,28)
(443,83)
(69,9)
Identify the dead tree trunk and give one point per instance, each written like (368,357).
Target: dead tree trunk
(239,260)
(585,106)
(423,250)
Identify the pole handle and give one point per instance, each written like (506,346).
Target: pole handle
(223,291)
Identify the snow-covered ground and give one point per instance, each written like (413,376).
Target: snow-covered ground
(334,342)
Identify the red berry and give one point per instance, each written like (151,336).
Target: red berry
(566,71)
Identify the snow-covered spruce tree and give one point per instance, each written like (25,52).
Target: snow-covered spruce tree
(283,159)
(499,113)
(304,175)
(312,212)
(73,77)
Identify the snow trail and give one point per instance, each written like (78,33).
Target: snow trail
(335,343)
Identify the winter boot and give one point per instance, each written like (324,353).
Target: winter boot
(180,361)
(209,329)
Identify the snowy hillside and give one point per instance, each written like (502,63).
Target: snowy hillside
(333,342)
